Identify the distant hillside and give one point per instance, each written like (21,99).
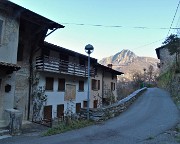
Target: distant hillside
(128,62)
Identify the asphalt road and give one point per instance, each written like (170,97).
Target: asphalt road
(153,113)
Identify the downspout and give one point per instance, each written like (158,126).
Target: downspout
(31,73)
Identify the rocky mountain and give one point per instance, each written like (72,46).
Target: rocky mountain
(128,62)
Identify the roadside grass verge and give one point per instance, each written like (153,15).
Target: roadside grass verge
(63,127)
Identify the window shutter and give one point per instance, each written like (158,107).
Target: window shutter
(61,84)
(1,30)
(98,84)
(49,83)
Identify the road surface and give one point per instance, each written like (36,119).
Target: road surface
(153,113)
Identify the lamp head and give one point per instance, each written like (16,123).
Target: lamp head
(89,49)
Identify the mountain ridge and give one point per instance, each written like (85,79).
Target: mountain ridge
(128,62)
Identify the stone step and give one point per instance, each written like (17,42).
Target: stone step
(5,136)
(4,132)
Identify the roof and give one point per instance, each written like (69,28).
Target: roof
(67,51)
(29,15)
(9,66)
(110,69)
(158,51)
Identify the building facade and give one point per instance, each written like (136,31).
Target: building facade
(42,80)
(21,30)
(165,58)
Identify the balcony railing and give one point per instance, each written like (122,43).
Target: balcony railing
(51,64)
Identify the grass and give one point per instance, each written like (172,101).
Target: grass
(63,127)
(178,139)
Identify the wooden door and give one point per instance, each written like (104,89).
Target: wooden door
(60,110)
(48,112)
(85,104)
(95,103)
(78,107)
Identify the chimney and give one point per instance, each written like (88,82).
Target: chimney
(109,66)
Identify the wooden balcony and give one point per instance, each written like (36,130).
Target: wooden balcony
(51,64)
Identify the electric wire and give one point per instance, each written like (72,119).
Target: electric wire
(173,18)
(120,26)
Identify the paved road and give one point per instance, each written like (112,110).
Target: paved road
(153,113)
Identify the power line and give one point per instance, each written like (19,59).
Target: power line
(173,18)
(119,26)
(149,44)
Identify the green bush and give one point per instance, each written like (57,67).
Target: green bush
(63,127)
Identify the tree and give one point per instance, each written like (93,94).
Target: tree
(150,73)
(173,44)
(138,78)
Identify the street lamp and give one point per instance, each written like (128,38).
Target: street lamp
(88,49)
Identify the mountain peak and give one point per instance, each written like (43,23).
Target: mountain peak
(127,62)
(124,57)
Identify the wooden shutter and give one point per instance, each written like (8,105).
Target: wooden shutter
(78,107)
(49,83)
(85,104)
(60,110)
(48,112)
(98,84)
(81,85)
(1,30)
(61,84)
(95,103)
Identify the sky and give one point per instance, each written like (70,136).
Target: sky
(109,25)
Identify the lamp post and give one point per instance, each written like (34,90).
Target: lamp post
(88,49)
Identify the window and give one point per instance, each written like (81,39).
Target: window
(49,83)
(81,85)
(20,51)
(95,84)
(1,30)
(61,84)
(113,86)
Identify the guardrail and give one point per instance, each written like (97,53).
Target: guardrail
(115,109)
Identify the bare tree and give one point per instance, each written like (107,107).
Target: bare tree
(150,73)
(137,79)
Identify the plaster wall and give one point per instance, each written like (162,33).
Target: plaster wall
(6,98)
(56,97)
(9,40)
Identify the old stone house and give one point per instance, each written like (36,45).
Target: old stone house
(36,72)
(165,58)
(21,31)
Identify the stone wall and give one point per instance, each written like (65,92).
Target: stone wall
(113,110)
(166,60)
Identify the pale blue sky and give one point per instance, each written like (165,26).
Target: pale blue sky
(154,14)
